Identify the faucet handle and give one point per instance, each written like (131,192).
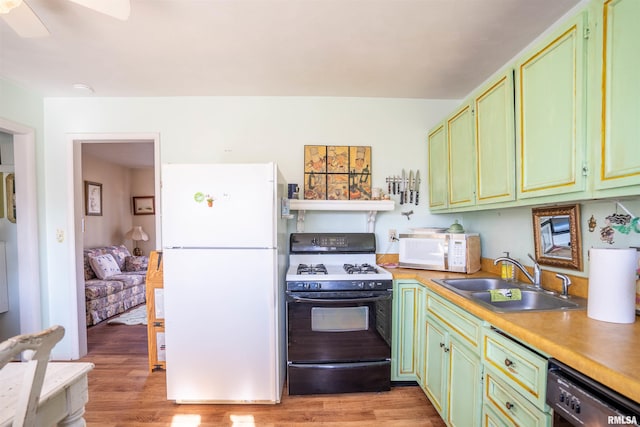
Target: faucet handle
(566,282)
(535,263)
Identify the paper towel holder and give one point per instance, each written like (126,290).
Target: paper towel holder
(556,236)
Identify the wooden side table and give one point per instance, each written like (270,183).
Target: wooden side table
(155,312)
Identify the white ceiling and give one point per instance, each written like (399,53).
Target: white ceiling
(371,48)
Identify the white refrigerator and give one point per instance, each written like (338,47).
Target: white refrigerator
(224,254)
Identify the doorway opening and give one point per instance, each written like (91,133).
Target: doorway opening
(124,167)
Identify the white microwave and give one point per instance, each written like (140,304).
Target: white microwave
(441,251)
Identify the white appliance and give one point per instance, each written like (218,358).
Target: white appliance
(459,252)
(224,254)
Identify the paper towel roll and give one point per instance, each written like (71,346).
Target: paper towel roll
(612,278)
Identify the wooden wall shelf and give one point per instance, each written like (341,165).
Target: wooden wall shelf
(372,207)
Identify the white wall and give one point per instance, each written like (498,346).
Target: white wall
(236,129)
(143,184)
(22,114)
(110,227)
(512,230)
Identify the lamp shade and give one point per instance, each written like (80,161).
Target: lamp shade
(136,233)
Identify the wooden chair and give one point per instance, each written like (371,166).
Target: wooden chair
(40,344)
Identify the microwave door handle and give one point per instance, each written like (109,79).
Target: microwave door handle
(446,253)
(340,300)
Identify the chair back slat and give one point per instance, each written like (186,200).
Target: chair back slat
(39,345)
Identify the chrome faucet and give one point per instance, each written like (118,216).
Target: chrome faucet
(566,282)
(535,279)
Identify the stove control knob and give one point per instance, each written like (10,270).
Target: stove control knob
(361,285)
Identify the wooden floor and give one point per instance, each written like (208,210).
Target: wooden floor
(122,393)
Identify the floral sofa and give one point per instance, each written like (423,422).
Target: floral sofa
(114,281)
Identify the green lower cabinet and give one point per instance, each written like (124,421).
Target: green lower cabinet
(405,330)
(420,336)
(514,382)
(491,417)
(436,364)
(453,376)
(465,386)
(506,407)
(473,374)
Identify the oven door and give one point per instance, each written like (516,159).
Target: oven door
(338,342)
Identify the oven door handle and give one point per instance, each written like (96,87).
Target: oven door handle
(296,298)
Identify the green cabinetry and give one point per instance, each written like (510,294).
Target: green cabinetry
(577,121)
(473,374)
(616,96)
(495,141)
(406,303)
(438,169)
(453,371)
(515,383)
(461,158)
(550,117)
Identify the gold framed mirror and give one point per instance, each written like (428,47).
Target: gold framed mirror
(556,236)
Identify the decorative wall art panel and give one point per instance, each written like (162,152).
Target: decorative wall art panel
(337,172)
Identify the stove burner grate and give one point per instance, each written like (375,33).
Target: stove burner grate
(311,269)
(360,269)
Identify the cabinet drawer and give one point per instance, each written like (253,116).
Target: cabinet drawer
(492,417)
(510,405)
(518,366)
(461,322)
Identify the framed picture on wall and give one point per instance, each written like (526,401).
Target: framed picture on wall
(92,198)
(144,205)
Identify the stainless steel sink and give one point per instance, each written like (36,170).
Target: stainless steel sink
(476,284)
(477,290)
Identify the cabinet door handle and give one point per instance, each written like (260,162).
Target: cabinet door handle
(508,363)
(509,405)
(446,349)
(441,344)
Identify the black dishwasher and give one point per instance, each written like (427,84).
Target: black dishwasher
(578,400)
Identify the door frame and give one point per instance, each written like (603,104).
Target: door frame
(24,152)
(75,142)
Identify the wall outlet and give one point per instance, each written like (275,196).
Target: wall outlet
(393,236)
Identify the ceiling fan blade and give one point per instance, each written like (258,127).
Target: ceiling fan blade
(25,22)
(119,9)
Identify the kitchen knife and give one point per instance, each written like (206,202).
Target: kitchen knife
(403,184)
(405,179)
(411,183)
(417,186)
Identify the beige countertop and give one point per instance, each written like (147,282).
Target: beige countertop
(607,352)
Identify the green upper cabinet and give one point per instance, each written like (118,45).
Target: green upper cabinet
(437,150)
(618,142)
(550,113)
(495,141)
(461,158)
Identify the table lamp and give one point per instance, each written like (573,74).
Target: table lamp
(136,234)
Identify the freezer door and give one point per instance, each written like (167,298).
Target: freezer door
(221,326)
(222,205)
